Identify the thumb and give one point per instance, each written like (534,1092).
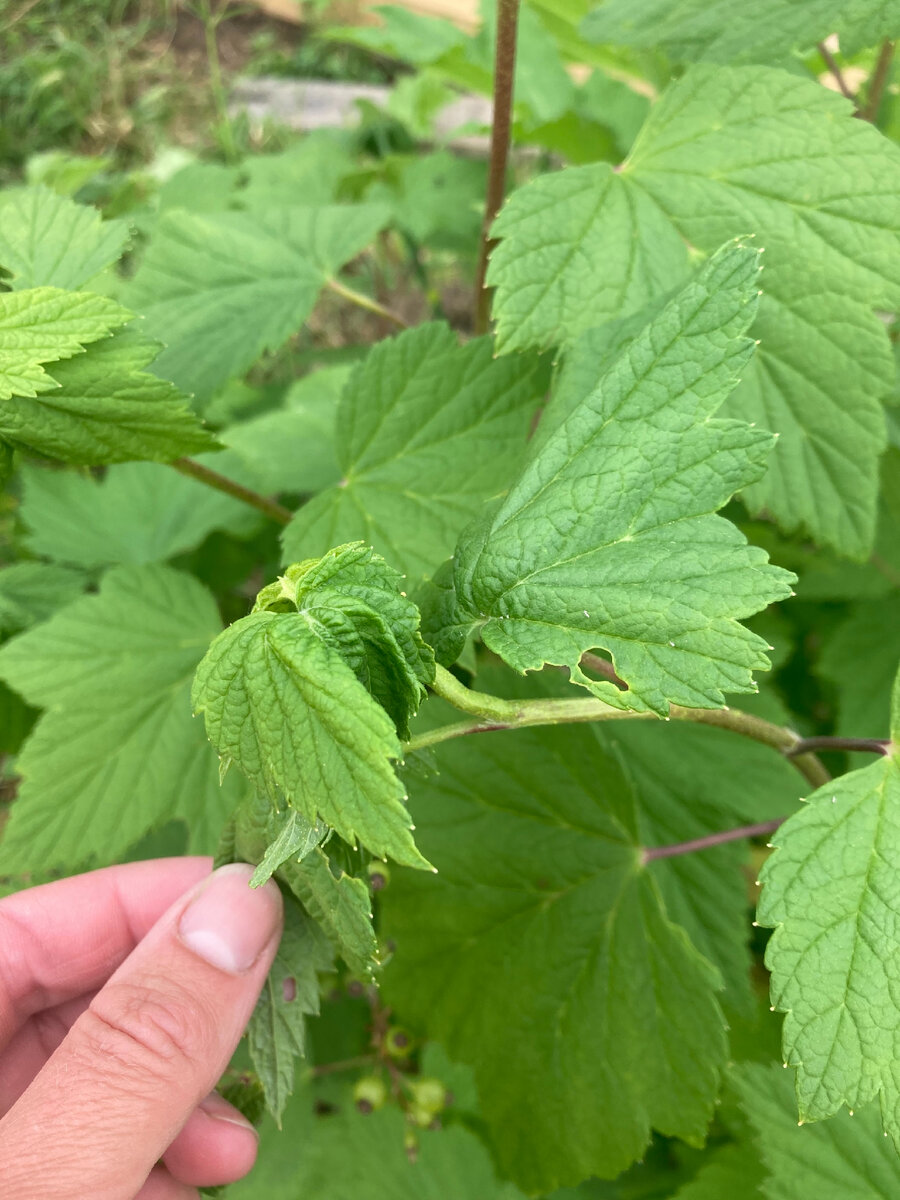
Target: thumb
(150,1047)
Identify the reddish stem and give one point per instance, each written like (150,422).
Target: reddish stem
(504,74)
(712,839)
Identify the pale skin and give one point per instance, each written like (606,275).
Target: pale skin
(121,1002)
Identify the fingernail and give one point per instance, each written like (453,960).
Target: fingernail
(229,923)
(220,1110)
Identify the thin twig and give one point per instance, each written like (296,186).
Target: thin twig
(869,745)
(869,111)
(601,667)
(837,73)
(195,470)
(493,713)
(882,565)
(712,839)
(347,1064)
(504,75)
(366,302)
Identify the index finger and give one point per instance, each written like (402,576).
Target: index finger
(63,939)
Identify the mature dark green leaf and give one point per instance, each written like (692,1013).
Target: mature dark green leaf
(860,659)
(49,240)
(733,1171)
(609,537)
(218,312)
(428,430)
(542,955)
(115,753)
(31,592)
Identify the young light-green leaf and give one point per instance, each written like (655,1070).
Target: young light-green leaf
(292,839)
(296,692)
(217,312)
(830,892)
(49,240)
(609,538)
(44,325)
(427,430)
(115,753)
(105,408)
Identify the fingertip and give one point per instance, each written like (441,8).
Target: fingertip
(217,1145)
(161,1185)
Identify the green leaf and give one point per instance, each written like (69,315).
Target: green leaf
(216,312)
(49,240)
(725,152)
(718,31)
(691,781)
(340,903)
(309,172)
(842,1159)
(542,955)
(43,325)
(733,1171)
(115,754)
(553,235)
(830,893)
(860,659)
(292,837)
(350,1156)
(31,592)
(609,537)
(292,448)
(409,37)
(137,513)
(106,409)
(276,1034)
(295,693)
(427,430)
(355,598)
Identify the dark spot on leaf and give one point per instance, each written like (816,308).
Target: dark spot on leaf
(289,989)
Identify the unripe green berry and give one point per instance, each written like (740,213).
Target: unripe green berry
(429,1094)
(370,1093)
(398,1042)
(419,1115)
(379,876)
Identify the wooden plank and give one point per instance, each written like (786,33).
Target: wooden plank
(463,13)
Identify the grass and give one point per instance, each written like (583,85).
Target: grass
(121,78)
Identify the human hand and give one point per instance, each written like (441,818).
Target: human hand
(123,994)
